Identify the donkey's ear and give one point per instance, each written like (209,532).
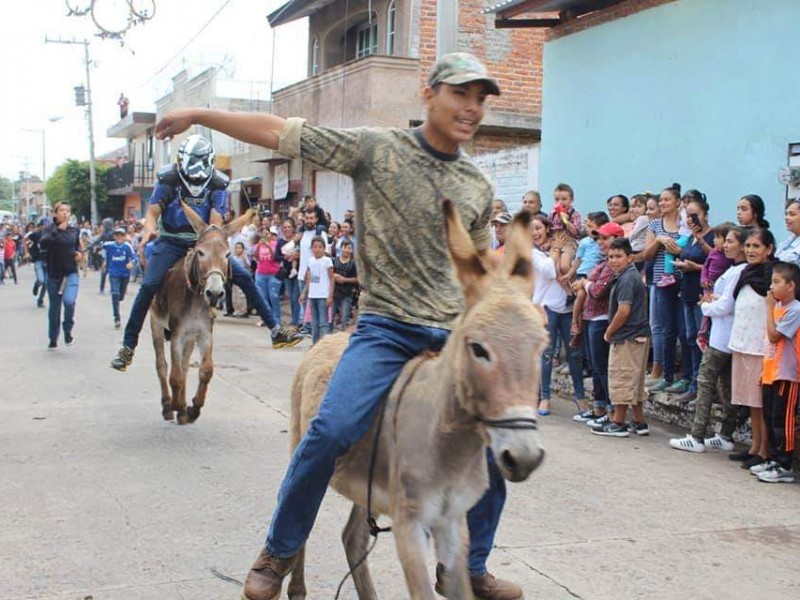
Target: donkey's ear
(239,222)
(519,246)
(195,220)
(469,267)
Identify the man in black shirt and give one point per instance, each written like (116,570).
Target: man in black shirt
(39,258)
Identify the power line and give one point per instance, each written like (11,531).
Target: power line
(186,45)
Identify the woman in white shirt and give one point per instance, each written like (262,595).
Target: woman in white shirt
(551,296)
(789,249)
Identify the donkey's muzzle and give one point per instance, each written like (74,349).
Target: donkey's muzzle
(214,297)
(517,464)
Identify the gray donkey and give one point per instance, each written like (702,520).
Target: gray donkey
(443,411)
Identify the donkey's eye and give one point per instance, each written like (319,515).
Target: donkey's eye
(478,351)
(227,255)
(200,253)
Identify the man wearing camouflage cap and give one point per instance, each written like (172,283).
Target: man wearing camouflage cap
(401,313)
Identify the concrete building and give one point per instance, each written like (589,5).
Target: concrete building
(134,177)
(644,93)
(367,63)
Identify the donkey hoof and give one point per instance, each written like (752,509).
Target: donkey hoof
(182,417)
(168,414)
(193,412)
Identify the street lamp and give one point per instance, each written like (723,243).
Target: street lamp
(45,205)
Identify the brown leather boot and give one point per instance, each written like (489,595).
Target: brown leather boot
(484,588)
(266,577)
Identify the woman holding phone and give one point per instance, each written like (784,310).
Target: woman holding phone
(64,251)
(690,263)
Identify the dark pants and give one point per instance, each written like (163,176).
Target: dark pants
(780,408)
(598,360)
(166,252)
(119,285)
(62,290)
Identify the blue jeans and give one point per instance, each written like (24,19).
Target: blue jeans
(655,327)
(669,311)
(558,325)
(598,359)
(293,293)
(319,318)
(166,252)
(269,287)
(378,351)
(344,306)
(119,285)
(40,268)
(693,316)
(69,297)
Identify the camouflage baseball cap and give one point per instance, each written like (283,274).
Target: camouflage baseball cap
(459,68)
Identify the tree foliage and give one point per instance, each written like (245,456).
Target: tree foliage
(6,188)
(70,183)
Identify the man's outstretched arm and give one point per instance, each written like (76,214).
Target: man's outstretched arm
(253,128)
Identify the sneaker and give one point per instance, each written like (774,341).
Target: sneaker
(677,387)
(777,474)
(753,461)
(666,281)
(36,288)
(68,339)
(639,428)
(718,443)
(597,421)
(612,429)
(117,324)
(285,339)
(687,443)
(123,359)
(740,456)
(40,304)
(765,466)
(52,345)
(584,417)
(657,386)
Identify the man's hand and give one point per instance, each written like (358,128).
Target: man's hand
(63,225)
(174,122)
(129,266)
(770,301)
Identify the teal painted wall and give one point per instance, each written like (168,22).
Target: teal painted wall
(702,92)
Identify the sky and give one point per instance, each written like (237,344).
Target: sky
(39,77)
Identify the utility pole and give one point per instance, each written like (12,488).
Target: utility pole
(89,119)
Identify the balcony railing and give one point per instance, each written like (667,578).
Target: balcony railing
(129,176)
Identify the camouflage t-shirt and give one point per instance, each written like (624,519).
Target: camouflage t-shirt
(398,179)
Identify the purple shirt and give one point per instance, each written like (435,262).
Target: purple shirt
(716,264)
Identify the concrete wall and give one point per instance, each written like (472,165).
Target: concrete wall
(702,92)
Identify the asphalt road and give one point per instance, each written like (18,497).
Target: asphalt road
(101,499)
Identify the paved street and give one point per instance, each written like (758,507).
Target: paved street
(101,499)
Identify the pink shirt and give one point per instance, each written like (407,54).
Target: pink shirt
(264,255)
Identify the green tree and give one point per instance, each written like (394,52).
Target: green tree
(70,183)
(6,188)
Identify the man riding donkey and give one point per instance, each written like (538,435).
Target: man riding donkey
(194,180)
(411,297)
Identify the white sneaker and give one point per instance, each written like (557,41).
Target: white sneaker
(687,443)
(765,466)
(777,474)
(719,443)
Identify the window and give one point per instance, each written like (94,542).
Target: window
(391,16)
(367,39)
(315,67)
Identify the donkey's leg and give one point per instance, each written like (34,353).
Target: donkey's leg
(297,583)
(411,542)
(450,536)
(157,330)
(205,345)
(355,538)
(177,377)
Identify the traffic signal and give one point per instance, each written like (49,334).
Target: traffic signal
(80,95)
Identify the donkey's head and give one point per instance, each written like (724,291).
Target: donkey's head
(206,265)
(498,344)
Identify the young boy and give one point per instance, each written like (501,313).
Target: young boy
(565,226)
(628,334)
(318,288)
(780,380)
(587,257)
(345,280)
(120,259)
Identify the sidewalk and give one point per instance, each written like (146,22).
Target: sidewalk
(103,500)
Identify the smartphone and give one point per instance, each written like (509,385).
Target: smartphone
(695,220)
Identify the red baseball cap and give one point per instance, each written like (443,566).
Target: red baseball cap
(611,229)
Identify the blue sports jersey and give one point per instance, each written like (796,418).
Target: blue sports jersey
(173,221)
(117,257)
